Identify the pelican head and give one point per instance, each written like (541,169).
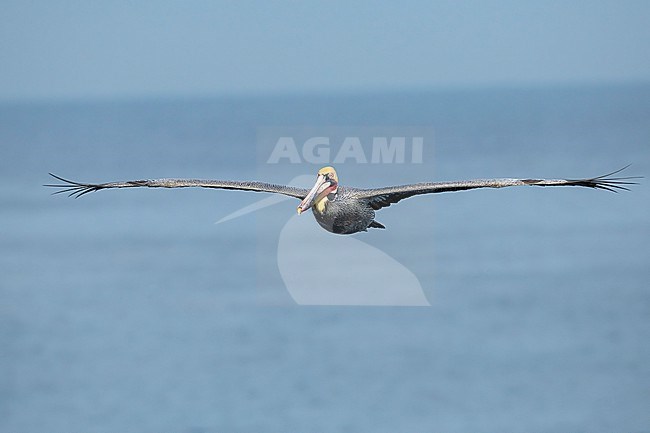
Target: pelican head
(326,183)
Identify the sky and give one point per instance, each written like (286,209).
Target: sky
(130,49)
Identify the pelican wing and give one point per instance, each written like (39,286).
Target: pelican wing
(383,197)
(77,189)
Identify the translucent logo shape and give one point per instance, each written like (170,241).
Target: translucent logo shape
(321,268)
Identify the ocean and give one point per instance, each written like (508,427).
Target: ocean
(134,311)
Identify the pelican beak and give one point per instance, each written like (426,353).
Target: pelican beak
(320,189)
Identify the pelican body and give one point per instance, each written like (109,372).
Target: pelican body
(343,213)
(337,209)
(346,210)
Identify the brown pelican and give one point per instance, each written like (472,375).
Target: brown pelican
(340,209)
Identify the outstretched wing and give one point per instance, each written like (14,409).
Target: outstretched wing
(383,197)
(77,189)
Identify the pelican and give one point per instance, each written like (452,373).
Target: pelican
(341,209)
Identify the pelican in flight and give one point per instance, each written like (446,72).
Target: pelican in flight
(341,209)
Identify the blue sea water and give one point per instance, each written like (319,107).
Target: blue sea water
(131,311)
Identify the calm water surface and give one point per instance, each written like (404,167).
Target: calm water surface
(131,311)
